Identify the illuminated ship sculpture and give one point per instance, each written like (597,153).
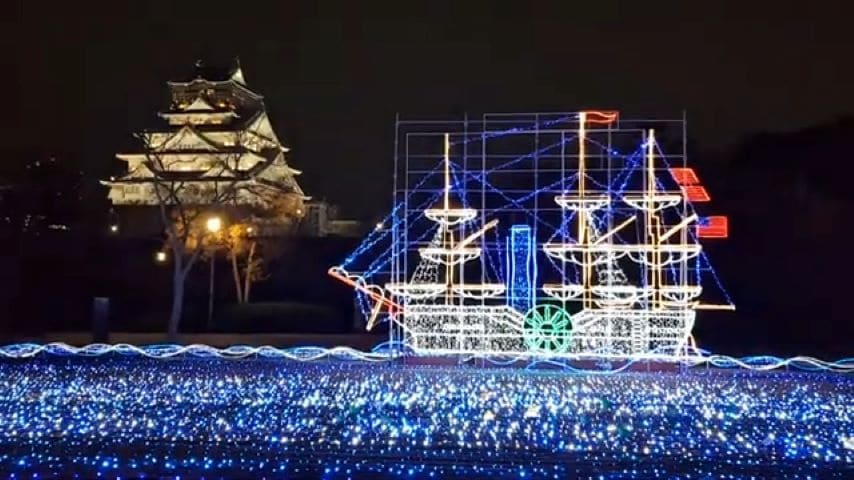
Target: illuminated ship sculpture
(622,243)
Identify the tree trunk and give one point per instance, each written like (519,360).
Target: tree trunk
(236,274)
(178,277)
(248,281)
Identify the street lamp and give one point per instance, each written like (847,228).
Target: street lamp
(160,256)
(214,224)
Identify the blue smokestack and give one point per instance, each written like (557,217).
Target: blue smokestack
(521,270)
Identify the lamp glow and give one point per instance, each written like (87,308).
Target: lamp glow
(214,224)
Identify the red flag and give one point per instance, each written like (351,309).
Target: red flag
(696,193)
(713,227)
(600,116)
(684,176)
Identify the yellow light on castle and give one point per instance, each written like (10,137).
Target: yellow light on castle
(214,224)
(114,228)
(160,256)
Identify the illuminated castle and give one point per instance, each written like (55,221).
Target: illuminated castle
(571,248)
(216,135)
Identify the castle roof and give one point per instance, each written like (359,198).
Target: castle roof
(214,75)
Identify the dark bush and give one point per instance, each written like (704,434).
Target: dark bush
(279,317)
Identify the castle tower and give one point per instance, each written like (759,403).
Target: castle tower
(215,134)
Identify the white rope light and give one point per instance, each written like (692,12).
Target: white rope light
(383,353)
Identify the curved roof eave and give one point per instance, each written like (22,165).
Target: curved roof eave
(217,82)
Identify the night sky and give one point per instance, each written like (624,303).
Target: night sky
(334,73)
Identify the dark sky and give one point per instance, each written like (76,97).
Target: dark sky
(334,73)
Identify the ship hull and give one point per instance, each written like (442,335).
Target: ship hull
(501,330)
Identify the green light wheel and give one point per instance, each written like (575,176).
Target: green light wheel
(547,329)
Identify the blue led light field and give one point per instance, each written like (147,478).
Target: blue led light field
(133,417)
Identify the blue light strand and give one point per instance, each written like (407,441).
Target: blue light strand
(391,351)
(703,256)
(367,244)
(510,131)
(439,165)
(385,257)
(459,180)
(490,251)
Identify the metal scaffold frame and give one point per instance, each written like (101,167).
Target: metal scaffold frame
(540,234)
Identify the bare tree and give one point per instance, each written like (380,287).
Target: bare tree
(227,189)
(241,247)
(184,205)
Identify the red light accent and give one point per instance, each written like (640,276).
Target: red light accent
(695,193)
(601,116)
(714,227)
(392,307)
(684,176)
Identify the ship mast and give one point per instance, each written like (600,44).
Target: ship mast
(444,249)
(582,217)
(653,226)
(449,271)
(447,171)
